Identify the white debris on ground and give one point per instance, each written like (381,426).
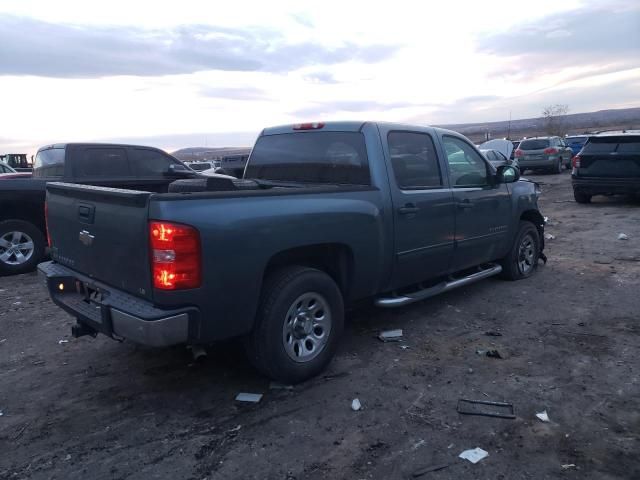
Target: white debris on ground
(623,236)
(63,341)
(249,397)
(356,405)
(548,236)
(391,335)
(474,455)
(543,416)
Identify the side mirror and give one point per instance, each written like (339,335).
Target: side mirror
(179,170)
(507,174)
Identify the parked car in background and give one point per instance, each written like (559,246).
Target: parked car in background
(234,164)
(543,153)
(22,200)
(327,215)
(576,142)
(497,158)
(200,166)
(7,172)
(608,164)
(515,144)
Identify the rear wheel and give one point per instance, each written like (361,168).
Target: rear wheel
(22,246)
(558,166)
(581,197)
(298,326)
(522,260)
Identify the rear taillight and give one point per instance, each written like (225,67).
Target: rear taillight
(175,256)
(519,153)
(575,161)
(308,126)
(550,151)
(46,223)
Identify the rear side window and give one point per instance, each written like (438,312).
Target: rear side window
(311,157)
(102,162)
(49,163)
(150,162)
(576,140)
(623,145)
(414,160)
(534,144)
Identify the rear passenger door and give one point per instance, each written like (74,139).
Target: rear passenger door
(423,207)
(482,207)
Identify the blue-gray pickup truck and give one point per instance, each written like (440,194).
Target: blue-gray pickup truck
(326,215)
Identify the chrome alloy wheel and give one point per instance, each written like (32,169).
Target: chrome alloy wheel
(307,326)
(16,248)
(526,254)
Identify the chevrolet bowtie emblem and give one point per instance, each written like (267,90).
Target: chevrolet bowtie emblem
(86,238)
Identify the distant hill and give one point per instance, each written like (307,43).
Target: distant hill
(208,153)
(625,118)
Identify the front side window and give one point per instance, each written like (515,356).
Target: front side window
(49,163)
(102,162)
(150,162)
(414,160)
(311,157)
(467,168)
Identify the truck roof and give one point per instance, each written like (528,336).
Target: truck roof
(342,126)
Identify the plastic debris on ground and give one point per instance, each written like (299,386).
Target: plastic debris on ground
(404,347)
(494,354)
(63,341)
(491,333)
(391,335)
(486,408)
(1,413)
(474,455)
(567,466)
(356,405)
(543,416)
(623,236)
(249,397)
(548,236)
(431,468)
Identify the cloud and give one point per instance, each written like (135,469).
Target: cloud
(34,47)
(356,106)
(234,93)
(589,36)
(320,77)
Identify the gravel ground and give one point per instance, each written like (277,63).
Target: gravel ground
(95,408)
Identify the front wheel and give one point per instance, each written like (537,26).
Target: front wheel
(22,246)
(581,197)
(522,260)
(298,326)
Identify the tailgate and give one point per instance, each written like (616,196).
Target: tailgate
(611,156)
(101,233)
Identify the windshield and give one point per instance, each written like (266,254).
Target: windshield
(49,163)
(534,144)
(311,157)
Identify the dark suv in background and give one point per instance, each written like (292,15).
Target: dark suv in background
(608,164)
(543,153)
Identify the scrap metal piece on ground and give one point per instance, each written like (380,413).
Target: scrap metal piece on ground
(486,409)
(249,397)
(474,455)
(391,335)
(431,468)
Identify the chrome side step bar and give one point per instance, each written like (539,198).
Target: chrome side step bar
(401,300)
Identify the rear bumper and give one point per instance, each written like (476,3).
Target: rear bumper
(546,162)
(115,313)
(605,186)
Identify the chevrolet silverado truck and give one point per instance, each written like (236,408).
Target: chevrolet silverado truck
(22,225)
(327,215)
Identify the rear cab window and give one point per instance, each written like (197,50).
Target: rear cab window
(414,160)
(311,157)
(534,144)
(49,163)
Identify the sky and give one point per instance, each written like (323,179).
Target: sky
(207,73)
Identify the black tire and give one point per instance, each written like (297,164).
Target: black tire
(581,197)
(265,346)
(558,167)
(512,264)
(10,263)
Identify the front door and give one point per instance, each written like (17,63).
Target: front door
(423,208)
(483,208)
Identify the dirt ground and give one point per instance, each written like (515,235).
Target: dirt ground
(95,408)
